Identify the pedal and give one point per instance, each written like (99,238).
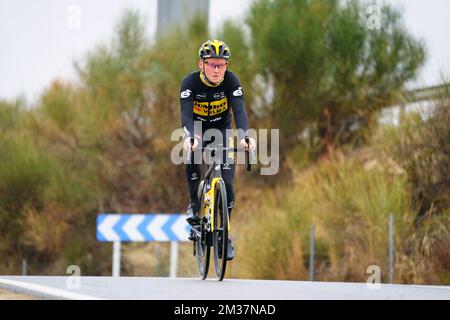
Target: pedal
(193,221)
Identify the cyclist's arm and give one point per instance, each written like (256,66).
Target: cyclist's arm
(186,107)
(238,105)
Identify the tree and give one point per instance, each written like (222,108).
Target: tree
(329,70)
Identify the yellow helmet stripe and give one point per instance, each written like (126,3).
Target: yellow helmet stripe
(216,44)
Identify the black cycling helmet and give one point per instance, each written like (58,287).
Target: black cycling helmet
(214,49)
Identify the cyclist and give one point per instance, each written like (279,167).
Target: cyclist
(208,95)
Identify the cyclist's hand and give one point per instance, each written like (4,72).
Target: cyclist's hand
(187,144)
(251,145)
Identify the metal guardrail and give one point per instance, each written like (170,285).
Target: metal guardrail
(427,93)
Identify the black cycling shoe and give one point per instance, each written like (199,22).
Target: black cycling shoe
(191,236)
(230,250)
(192,214)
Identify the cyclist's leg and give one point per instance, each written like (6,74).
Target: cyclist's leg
(192,172)
(228,168)
(228,177)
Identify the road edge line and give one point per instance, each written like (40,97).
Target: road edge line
(41,290)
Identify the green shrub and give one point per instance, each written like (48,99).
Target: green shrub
(349,204)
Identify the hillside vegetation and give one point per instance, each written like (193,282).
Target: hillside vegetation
(310,68)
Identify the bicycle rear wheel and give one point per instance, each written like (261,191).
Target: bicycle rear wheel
(220,233)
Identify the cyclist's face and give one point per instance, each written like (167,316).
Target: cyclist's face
(214,69)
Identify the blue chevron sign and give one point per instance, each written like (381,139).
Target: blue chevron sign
(142,227)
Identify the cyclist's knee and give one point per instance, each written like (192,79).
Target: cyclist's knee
(230,196)
(194,176)
(192,172)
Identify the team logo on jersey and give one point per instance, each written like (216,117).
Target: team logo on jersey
(237,92)
(215,107)
(186,93)
(218,106)
(201,108)
(218,95)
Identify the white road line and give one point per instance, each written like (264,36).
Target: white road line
(57,293)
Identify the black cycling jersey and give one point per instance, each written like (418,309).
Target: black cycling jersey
(211,105)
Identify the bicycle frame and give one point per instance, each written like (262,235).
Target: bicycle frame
(209,199)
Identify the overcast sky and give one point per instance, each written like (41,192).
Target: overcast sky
(39,42)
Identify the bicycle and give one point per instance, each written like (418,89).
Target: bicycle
(214,226)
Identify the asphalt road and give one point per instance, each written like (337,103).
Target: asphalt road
(137,288)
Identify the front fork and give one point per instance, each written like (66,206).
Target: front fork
(202,232)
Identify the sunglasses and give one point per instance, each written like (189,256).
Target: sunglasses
(213,66)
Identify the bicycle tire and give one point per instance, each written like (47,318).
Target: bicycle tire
(203,251)
(220,233)
(201,246)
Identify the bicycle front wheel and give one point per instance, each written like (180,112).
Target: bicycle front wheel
(220,233)
(202,245)
(202,252)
